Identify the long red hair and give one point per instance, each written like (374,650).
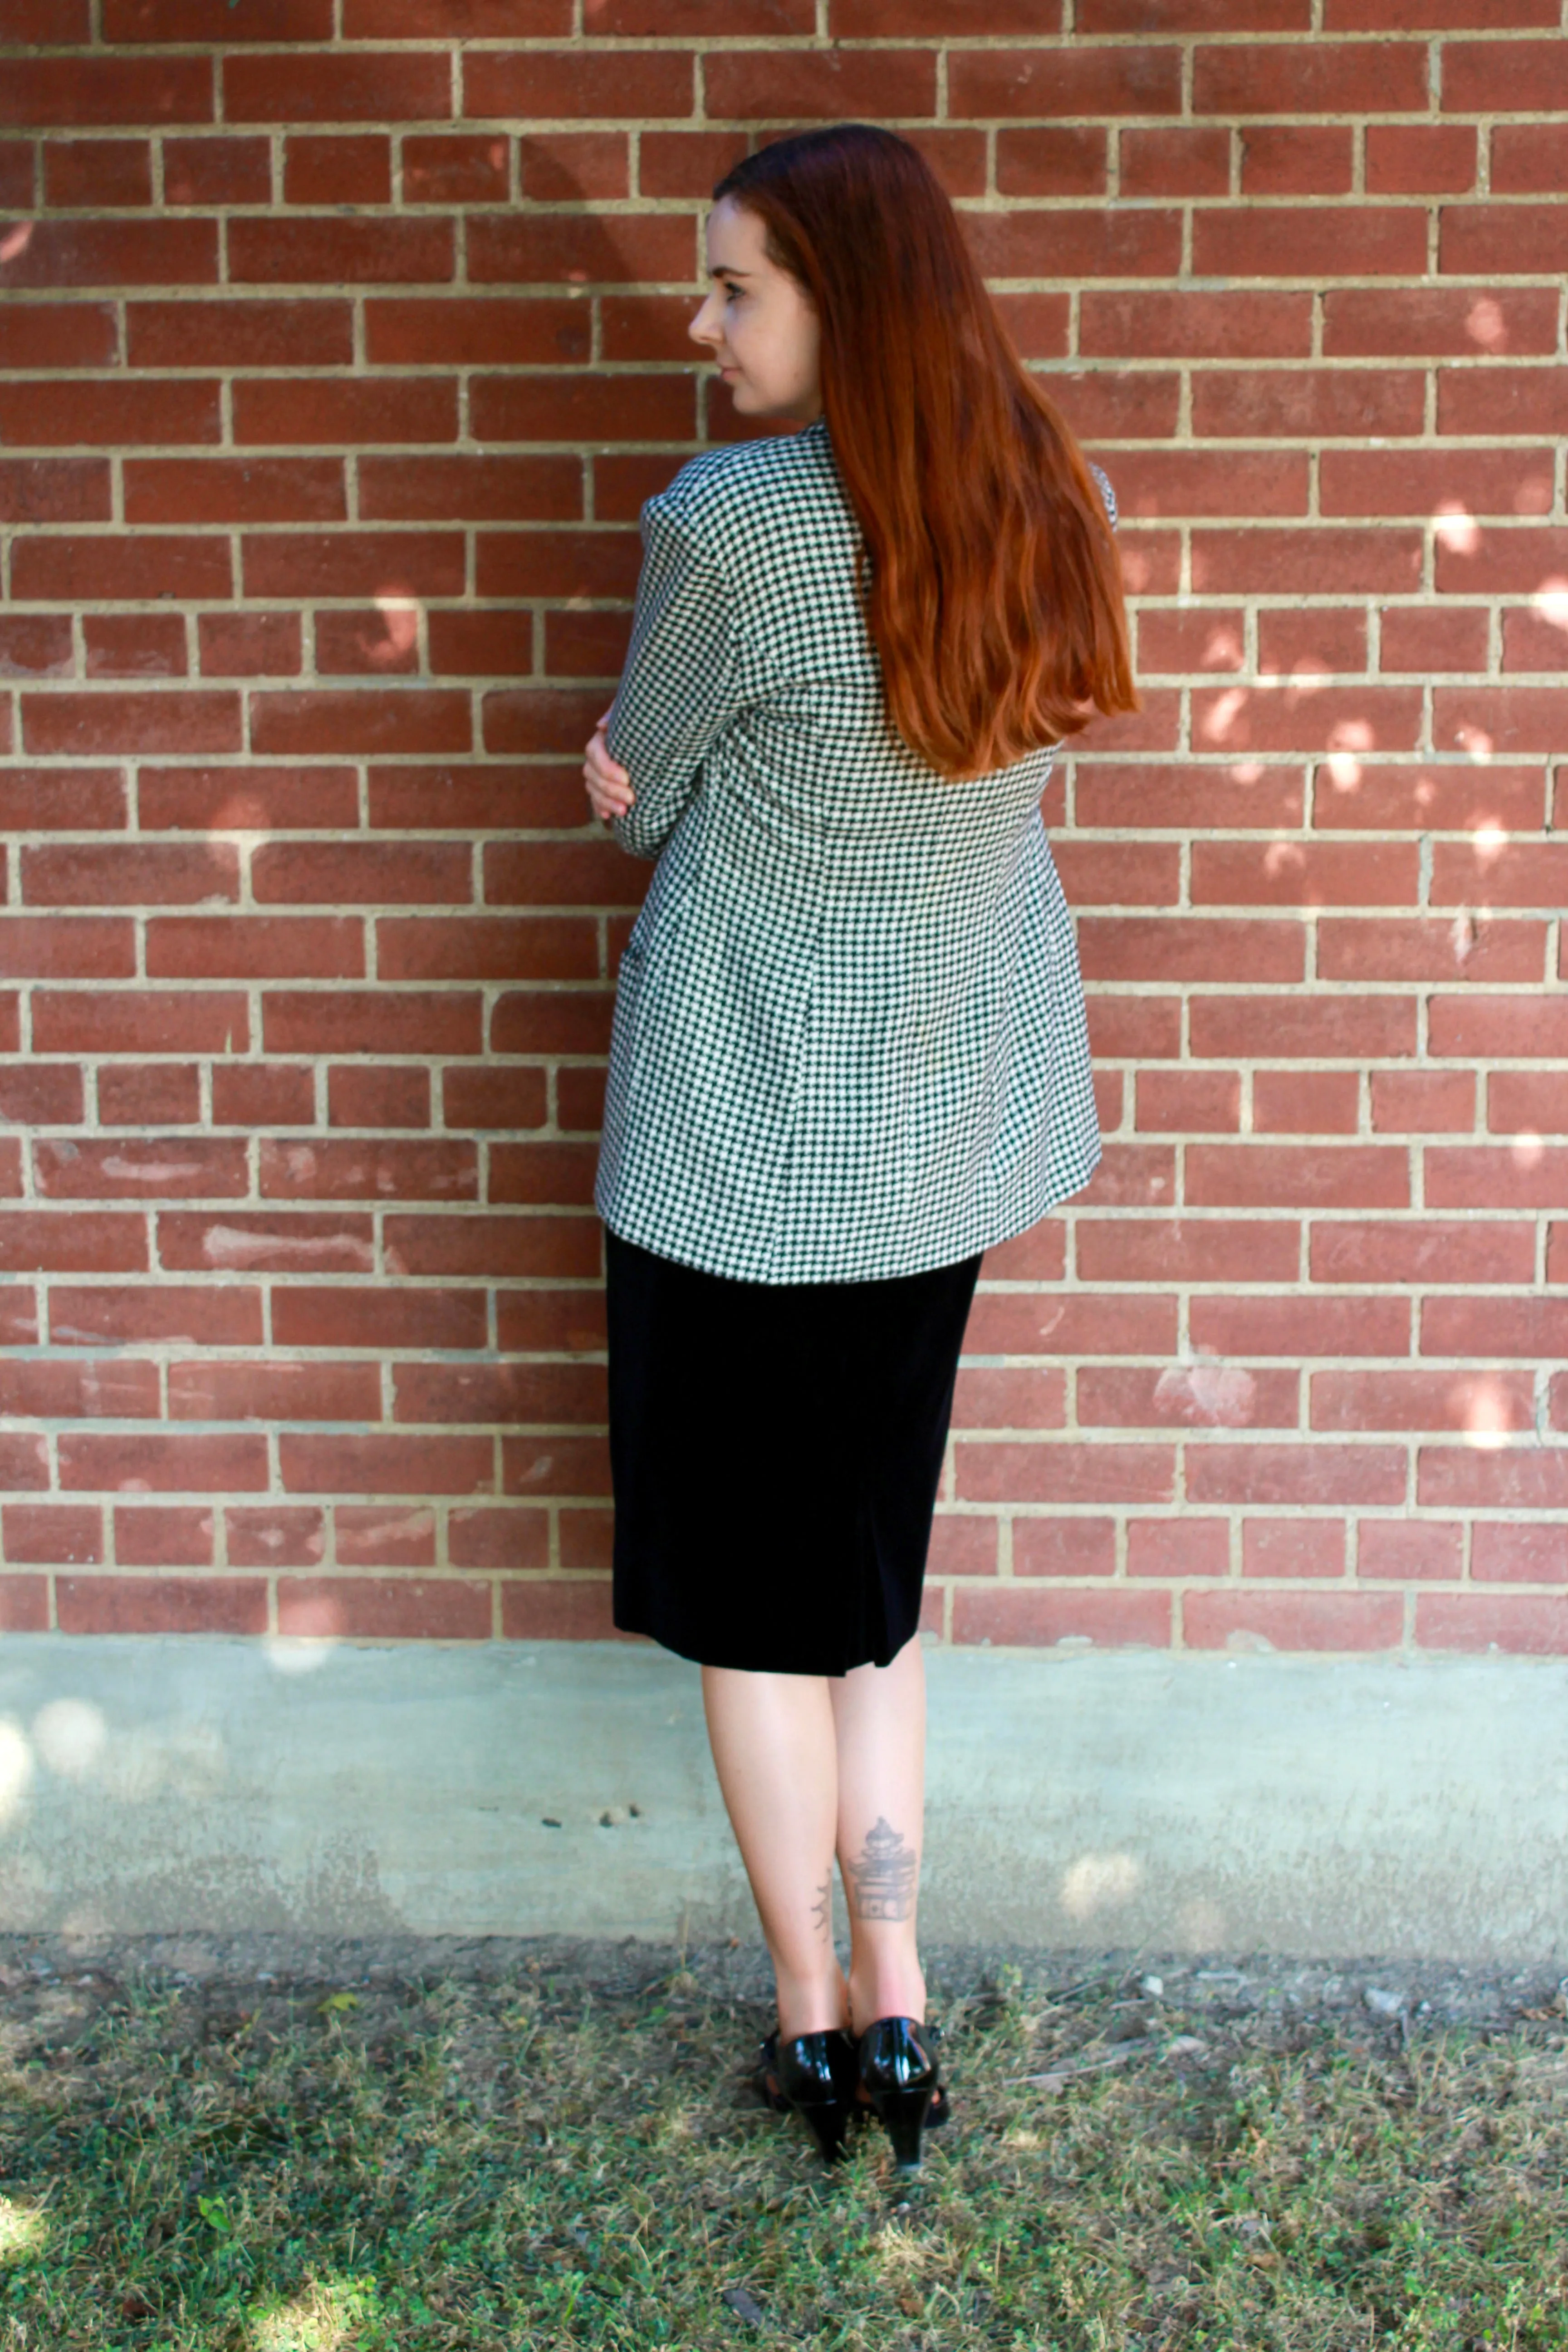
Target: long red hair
(995,596)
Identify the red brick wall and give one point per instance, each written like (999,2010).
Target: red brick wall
(343,339)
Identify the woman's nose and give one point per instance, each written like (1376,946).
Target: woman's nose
(699,329)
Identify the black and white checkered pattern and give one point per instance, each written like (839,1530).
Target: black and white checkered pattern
(849,1035)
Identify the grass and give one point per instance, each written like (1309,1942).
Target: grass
(445,2164)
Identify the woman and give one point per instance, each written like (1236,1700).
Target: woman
(848,1050)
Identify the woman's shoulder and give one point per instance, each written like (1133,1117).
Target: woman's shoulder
(729,489)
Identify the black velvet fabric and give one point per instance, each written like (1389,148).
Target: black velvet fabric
(776,1451)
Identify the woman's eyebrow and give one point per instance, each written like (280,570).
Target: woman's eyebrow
(723,269)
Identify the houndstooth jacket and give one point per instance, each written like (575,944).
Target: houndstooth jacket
(849,1036)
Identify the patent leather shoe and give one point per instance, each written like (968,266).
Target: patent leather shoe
(815,2075)
(897,2061)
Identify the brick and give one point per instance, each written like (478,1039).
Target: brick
(1186,798)
(401,490)
(1172,161)
(127,874)
(556,1609)
(52,490)
(99,91)
(249,645)
(234,490)
(1310,241)
(1185,948)
(455,169)
(1176,1102)
(1088,242)
(1511,238)
(121,1389)
(1300,1326)
(274,1536)
(58,334)
(24,1461)
(1423,1102)
(1173,325)
(244,947)
(52,1535)
(1422,159)
(35,644)
(355,169)
(1178,1547)
(1307,1475)
(1303,874)
(1178,643)
(1434,1251)
(214,1390)
(1529,158)
(405,1463)
(280,410)
(1469,874)
(567,167)
(1308,403)
(1463,322)
(1533,641)
(151,645)
(1311,559)
(128,1168)
(162,1537)
(141,1021)
(1260,1175)
(500,1097)
(162,1094)
(1421,639)
(74,724)
(1277,160)
(52,1241)
(1189,1395)
(162,1463)
(544,84)
(1418,16)
(560,407)
(965,1544)
(1525,1174)
(364,1318)
(413,20)
(196,1318)
(1499,562)
(381,644)
(350,86)
(253,799)
(327,249)
(378,1098)
(354,563)
(1129,1027)
(1480,1403)
(1415,949)
(373,1170)
(360,1021)
(467,330)
(1501,1552)
(373,1535)
(1305,715)
(1313,641)
(1527,1100)
(98,173)
(161,1605)
(1298,1102)
(111,252)
(1044,82)
(1292,1546)
(1037,1615)
(19,175)
(1430,796)
(274,1241)
(498,645)
(304,723)
(1409,1549)
(254,332)
(223,170)
(1292,1621)
(1504,78)
(384,1608)
(56,947)
(191,20)
(1491,1327)
(1228,1250)
(1526,1625)
(1063,1547)
(1423,481)
(1051,162)
(1511,1478)
(41,1094)
(1482,719)
(582,247)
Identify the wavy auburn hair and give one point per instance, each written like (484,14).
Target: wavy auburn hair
(995,596)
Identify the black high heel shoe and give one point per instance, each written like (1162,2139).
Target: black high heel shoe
(898,2070)
(814,2075)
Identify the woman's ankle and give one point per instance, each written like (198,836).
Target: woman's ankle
(811,2005)
(886,1991)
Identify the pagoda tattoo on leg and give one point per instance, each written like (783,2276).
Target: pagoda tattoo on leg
(884,1876)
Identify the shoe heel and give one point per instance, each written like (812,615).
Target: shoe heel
(825,2124)
(903,2115)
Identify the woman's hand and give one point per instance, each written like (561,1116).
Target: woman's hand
(608,784)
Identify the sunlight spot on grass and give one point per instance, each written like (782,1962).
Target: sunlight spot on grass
(22,2231)
(324,2317)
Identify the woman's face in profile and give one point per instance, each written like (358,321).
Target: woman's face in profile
(758,322)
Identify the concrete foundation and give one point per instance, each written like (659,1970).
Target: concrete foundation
(1316,1807)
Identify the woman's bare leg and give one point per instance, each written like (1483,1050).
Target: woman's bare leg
(775,1751)
(879,1714)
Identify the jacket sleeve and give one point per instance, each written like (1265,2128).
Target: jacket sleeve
(679,686)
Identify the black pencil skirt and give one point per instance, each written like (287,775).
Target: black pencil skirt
(776,1451)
